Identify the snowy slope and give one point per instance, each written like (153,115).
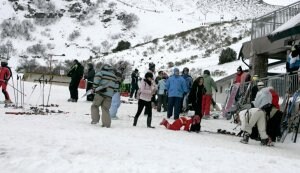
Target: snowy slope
(69,143)
(157,18)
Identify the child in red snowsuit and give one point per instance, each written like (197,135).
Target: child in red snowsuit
(190,124)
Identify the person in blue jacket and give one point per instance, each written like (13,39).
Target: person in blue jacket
(177,88)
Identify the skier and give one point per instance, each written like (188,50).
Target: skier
(90,78)
(190,124)
(134,83)
(76,73)
(5,75)
(266,121)
(104,87)
(147,89)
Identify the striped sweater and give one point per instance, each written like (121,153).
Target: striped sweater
(105,81)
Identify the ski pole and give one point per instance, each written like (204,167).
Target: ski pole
(15,88)
(33,88)
(50,80)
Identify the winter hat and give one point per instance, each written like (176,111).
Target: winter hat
(176,71)
(260,85)
(136,70)
(148,74)
(239,69)
(206,72)
(4,61)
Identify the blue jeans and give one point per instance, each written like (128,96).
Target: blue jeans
(115,104)
(174,102)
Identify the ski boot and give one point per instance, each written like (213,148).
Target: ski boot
(245,139)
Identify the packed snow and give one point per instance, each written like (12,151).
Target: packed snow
(67,142)
(280,2)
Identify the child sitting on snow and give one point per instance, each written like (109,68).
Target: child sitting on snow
(190,124)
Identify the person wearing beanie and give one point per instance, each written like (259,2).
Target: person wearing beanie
(177,88)
(76,74)
(145,94)
(5,74)
(209,84)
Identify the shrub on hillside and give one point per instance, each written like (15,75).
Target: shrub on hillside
(170,64)
(130,20)
(75,34)
(122,45)
(27,65)
(17,29)
(7,49)
(37,49)
(227,55)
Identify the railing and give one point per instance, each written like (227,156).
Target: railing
(266,24)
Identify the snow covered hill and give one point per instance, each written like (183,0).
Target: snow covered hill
(84,28)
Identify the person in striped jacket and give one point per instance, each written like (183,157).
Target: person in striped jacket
(104,87)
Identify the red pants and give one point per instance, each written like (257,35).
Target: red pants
(3,85)
(177,124)
(206,101)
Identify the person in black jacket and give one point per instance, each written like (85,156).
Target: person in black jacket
(195,96)
(134,83)
(90,79)
(76,73)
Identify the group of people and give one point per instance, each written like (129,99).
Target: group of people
(173,94)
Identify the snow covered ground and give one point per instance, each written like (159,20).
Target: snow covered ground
(69,143)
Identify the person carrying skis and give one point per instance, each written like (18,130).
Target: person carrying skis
(190,124)
(147,89)
(90,78)
(104,87)
(76,73)
(5,75)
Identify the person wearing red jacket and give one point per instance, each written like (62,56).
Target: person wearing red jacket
(4,77)
(190,124)
(275,98)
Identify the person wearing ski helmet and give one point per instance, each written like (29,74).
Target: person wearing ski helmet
(4,77)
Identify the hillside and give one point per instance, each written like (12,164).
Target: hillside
(84,28)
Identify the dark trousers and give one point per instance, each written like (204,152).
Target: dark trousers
(73,87)
(148,109)
(174,102)
(91,96)
(134,89)
(162,101)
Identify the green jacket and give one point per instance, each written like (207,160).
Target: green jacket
(209,83)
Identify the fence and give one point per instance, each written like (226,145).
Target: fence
(266,24)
